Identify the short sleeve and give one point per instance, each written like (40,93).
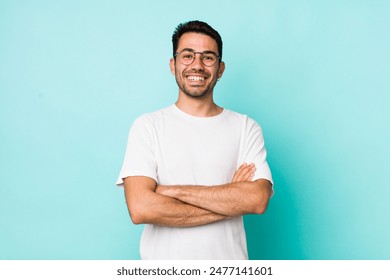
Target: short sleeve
(140,157)
(254,150)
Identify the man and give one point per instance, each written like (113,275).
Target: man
(191,170)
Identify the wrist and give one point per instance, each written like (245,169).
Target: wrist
(165,190)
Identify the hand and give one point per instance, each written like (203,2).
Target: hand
(244,173)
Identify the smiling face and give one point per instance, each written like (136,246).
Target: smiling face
(196,80)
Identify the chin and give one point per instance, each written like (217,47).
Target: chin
(196,95)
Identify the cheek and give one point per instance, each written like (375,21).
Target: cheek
(179,72)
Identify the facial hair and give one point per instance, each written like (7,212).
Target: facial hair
(195,93)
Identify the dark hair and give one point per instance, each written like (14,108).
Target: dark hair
(197,27)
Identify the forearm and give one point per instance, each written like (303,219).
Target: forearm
(167,211)
(231,199)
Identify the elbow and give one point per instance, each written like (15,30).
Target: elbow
(137,215)
(260,205)
(136,218)
(261,200)
(260,208)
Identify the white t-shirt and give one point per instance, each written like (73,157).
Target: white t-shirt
(175,148)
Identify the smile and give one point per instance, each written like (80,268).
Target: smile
(195,78)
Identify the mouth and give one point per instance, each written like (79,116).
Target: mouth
(194,78)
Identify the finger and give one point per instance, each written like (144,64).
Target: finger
(239,171)
(244,172)
(249,173)
(250,177)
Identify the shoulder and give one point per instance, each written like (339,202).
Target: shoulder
(243,119)
(147,124)
(152,118)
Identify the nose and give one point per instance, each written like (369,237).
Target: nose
(197,64)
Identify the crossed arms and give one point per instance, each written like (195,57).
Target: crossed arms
(186,206)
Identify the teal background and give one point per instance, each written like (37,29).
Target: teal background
(75,74)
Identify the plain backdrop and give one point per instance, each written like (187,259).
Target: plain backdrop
(75,74)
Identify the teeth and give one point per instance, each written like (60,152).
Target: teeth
(195,78)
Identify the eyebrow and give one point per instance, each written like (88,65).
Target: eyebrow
(192,50)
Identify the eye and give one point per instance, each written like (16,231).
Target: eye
(187,55)
(208,58)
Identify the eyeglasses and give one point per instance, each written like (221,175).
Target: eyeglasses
(187,57)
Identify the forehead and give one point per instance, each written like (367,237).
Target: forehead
(198,42)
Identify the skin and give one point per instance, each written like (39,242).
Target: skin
(237,198)
(159,209)
(186,205)
(196,97)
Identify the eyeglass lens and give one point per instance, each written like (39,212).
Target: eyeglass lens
(188,57)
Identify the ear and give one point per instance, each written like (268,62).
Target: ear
(221,69)
(172,66)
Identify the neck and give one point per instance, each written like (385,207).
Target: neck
(202,107)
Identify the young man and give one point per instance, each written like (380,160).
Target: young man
(191,170)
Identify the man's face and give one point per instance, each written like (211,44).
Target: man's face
(196,80)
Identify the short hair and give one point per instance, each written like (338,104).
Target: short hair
(197,27)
